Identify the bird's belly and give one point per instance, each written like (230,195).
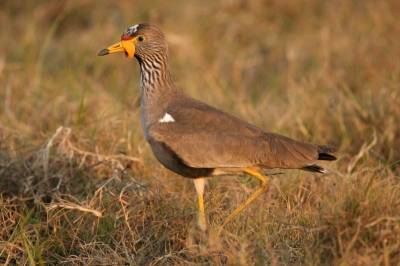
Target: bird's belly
(172,161)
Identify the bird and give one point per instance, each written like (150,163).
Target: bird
(199,141)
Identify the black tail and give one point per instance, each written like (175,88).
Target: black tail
(323,152)
(314,168)
(326,157)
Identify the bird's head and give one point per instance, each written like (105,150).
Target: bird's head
(139,41)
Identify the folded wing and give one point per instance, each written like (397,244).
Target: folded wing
(205,137)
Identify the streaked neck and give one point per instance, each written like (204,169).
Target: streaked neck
(154,75)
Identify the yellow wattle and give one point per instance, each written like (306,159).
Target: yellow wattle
(129,47)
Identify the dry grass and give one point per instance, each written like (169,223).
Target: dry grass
(79,185)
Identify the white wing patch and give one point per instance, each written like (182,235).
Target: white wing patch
(166,119)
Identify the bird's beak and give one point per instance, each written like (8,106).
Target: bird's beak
(124,46)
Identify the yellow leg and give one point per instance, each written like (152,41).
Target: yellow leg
(264,185)
(201,220)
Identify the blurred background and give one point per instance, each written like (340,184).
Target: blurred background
(321,71)
(325,72)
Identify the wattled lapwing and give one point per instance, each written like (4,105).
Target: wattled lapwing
(199,141)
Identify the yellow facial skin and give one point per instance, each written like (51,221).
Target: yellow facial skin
(126,45)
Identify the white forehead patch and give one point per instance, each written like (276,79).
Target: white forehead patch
(166,119)
(131,30)
(134,28)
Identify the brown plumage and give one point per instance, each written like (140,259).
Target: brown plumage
(197,140)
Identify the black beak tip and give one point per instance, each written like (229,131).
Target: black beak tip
(103,52)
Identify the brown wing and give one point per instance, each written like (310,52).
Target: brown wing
(206,137)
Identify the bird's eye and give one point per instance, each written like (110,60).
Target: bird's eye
(140,38)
